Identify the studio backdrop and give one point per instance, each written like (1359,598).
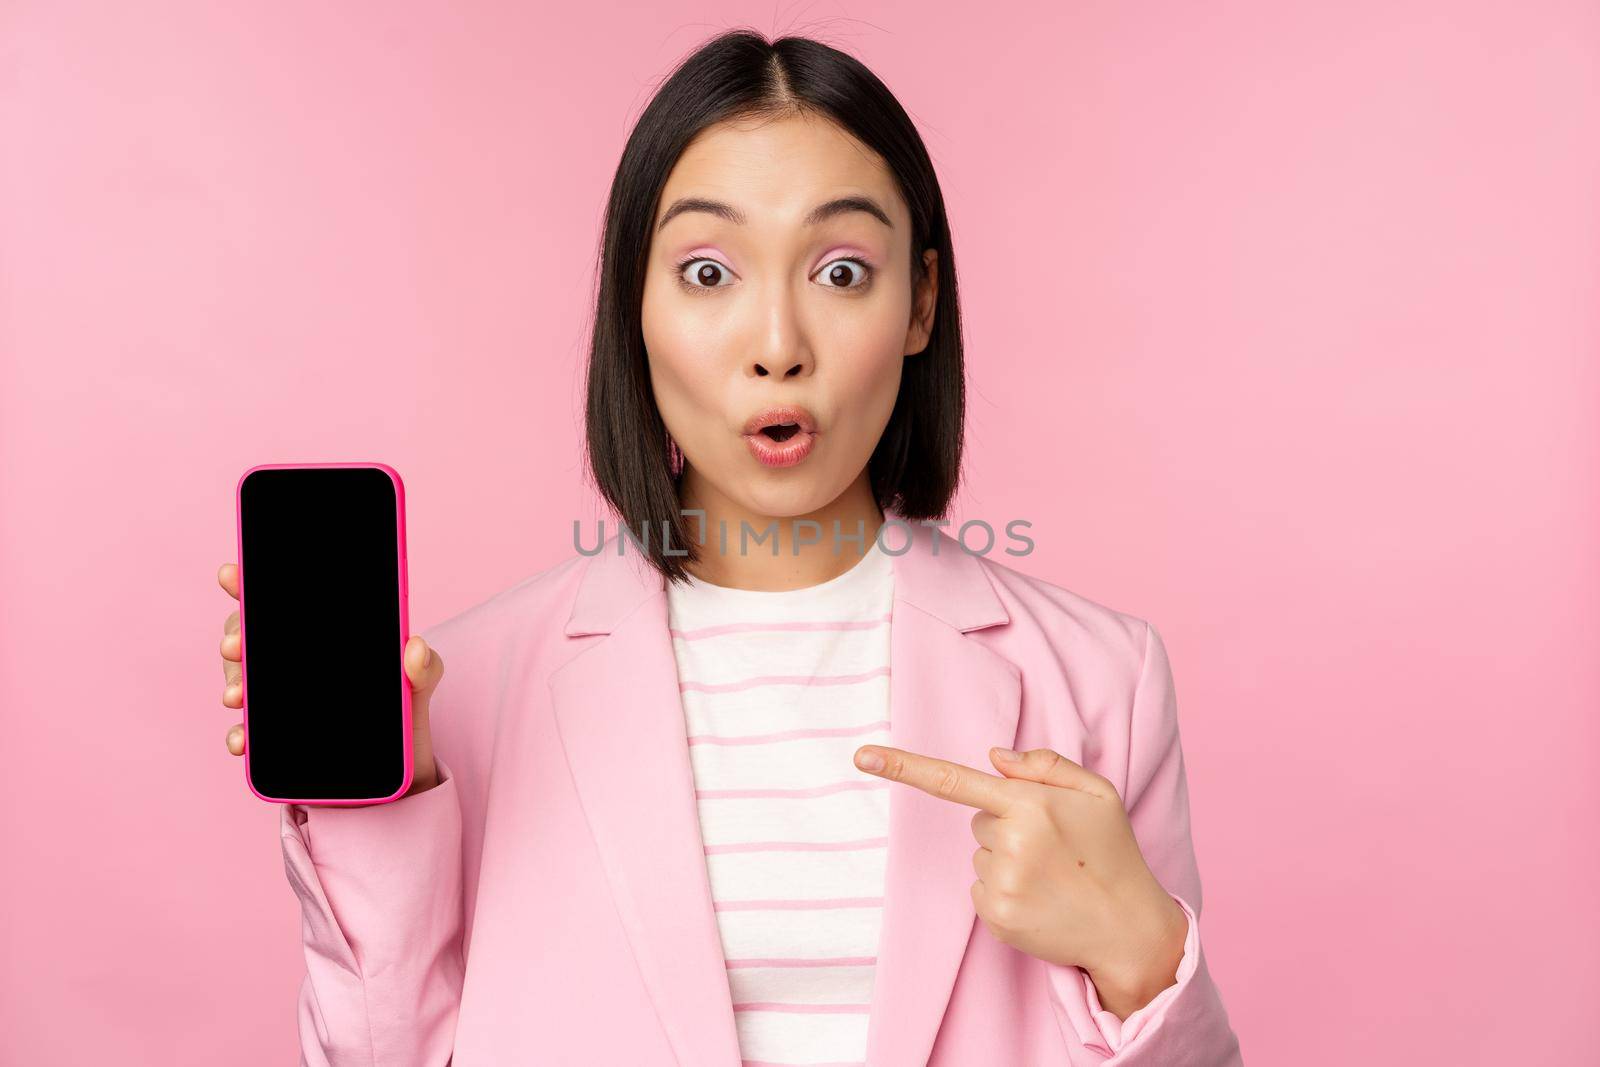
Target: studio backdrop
(1282,331)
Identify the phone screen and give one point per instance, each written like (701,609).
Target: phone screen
(322,614)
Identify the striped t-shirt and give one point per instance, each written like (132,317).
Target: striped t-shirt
(779,689)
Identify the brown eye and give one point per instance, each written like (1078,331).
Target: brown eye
(845,274)
(704,274)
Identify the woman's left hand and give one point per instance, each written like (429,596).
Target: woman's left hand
(1060,873)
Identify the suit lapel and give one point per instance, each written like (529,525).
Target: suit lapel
(620,720)
(952,698)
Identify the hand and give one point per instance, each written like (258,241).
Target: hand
(1060,873)
(424,667)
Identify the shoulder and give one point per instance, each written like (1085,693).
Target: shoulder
(1097,683)
(523,618)
(1086,633)
(493,652)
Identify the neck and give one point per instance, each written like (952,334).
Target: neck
(793,554)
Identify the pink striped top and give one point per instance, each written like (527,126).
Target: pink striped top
(779,689)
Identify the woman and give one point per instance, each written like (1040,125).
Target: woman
(637,835)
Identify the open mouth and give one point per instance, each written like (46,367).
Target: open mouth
(781,431)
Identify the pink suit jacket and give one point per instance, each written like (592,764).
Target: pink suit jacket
(548,902)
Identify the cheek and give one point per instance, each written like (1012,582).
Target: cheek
(685,394)
(675,357)
(868,362)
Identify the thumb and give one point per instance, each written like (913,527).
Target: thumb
(424,667)
(1043,765)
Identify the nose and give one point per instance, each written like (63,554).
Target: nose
(782,350)
(788,368)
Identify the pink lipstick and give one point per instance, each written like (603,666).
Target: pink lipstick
(781,436)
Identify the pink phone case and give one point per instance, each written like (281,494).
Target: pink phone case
(405,630)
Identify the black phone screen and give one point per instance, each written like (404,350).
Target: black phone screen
(321,562)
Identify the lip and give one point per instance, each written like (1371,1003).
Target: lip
(776,416)
(781,453)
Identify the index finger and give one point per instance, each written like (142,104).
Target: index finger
(941,778)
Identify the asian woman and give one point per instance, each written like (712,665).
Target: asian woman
(858,794)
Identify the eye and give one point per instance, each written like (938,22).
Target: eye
(704,276)
(838,274)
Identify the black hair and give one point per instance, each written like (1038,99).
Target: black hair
(916,465)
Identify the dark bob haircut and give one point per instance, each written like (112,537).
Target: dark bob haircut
(636,466)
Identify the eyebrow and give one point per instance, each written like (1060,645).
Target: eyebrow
(822,212)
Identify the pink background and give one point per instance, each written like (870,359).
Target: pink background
(1283,332)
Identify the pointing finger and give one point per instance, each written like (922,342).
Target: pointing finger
(940,778)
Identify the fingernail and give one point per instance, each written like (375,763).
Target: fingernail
(1008,755)
(869,761)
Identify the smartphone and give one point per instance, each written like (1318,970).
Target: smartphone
(323,625)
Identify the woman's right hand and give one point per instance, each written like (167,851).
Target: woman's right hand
(424,667)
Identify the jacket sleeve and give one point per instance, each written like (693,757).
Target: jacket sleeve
(381,927)
(1185,1025)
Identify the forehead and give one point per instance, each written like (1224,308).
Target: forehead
(777,169)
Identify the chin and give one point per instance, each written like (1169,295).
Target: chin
(789,497)
(787,503)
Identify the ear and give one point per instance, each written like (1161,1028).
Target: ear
(924,299)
